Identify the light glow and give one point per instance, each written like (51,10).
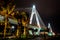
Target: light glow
(49,26)
(13,27)
(33,6)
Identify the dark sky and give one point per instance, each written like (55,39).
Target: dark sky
(43,6)
(48,10)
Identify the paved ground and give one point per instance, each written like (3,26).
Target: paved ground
(36,38)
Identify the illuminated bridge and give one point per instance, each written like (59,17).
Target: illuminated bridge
(12,26)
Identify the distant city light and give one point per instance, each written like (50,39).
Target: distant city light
(50,34)
(53,33)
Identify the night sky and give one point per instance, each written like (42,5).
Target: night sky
(48,10)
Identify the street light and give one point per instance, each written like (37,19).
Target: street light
(12,27)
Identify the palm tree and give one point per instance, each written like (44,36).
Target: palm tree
(24,22)
(6,12)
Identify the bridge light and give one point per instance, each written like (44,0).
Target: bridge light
(33,6)
(50,34)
